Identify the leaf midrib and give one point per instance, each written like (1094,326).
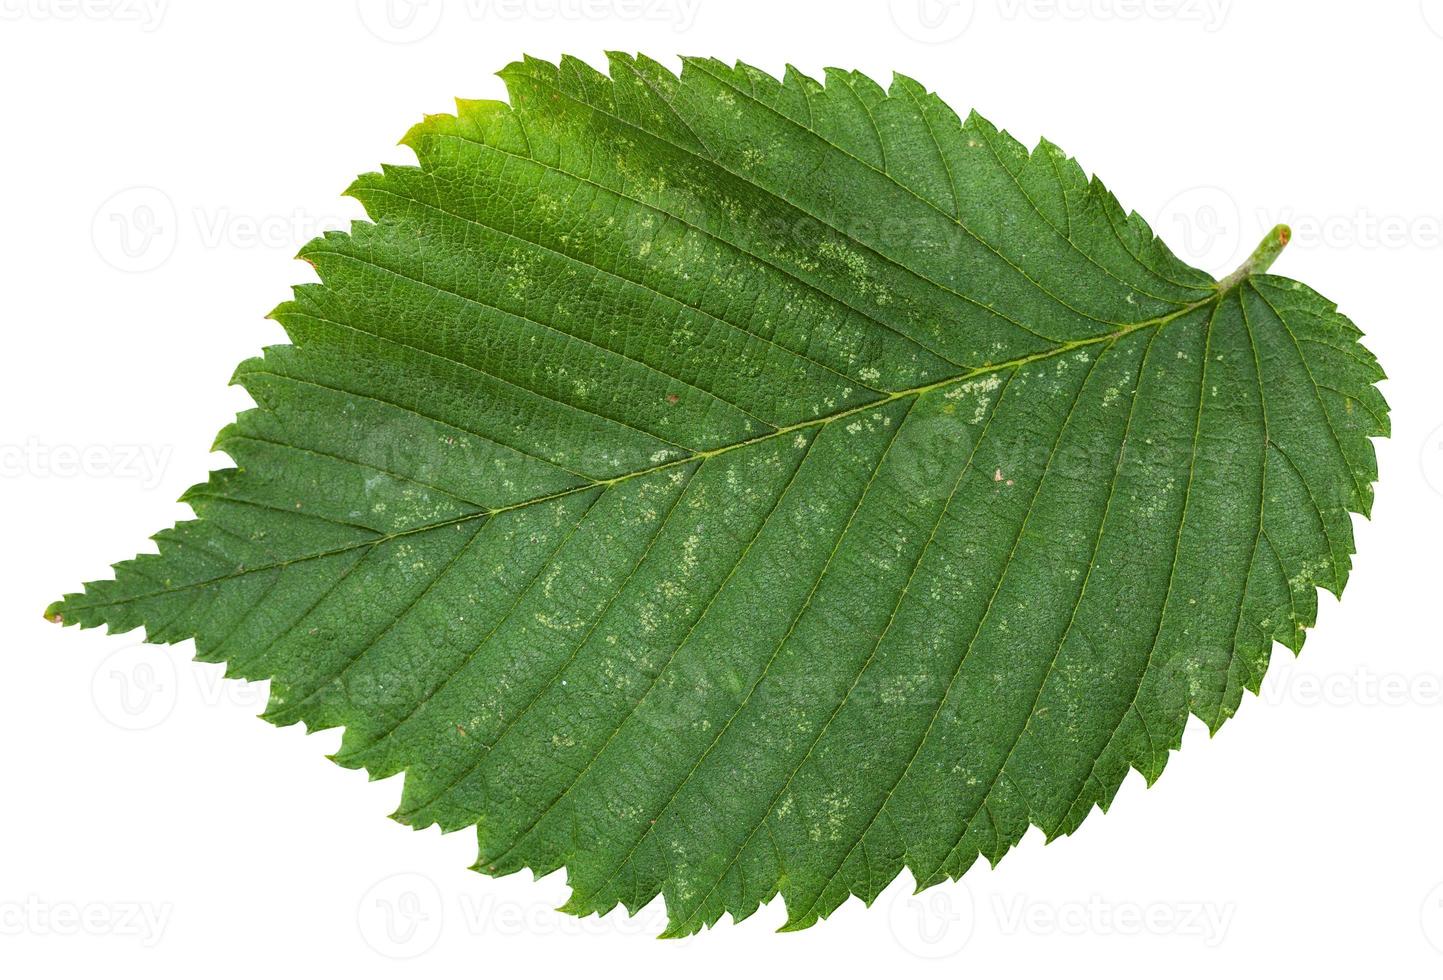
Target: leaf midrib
(703,454)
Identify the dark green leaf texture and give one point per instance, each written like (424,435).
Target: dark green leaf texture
(722,486)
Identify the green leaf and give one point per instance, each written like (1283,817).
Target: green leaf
(723,486)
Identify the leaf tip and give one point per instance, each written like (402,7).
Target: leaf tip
(52,612)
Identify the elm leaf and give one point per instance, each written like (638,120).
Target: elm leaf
(724,486)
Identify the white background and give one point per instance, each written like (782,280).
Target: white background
(164,159)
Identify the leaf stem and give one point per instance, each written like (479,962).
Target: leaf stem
(1262,258)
